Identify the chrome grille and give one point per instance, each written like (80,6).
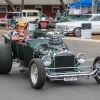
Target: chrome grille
(64,61)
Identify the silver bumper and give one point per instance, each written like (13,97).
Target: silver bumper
(72,75)
(60,76)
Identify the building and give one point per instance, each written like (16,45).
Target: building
(48,7)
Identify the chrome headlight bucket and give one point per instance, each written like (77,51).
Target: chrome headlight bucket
(46,60)
(81,58)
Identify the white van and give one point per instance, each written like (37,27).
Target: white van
(30,15)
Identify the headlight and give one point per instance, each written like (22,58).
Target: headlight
(66,27)
(81,58)
(46,60)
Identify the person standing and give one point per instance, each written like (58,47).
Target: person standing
(9,18)
(58,15)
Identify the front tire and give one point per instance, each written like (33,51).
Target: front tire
(77,32)
(5,59)
(96,64)
(37,75)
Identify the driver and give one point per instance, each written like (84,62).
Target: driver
(43,23)
(20,33)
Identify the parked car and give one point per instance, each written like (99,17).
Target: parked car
(3,21)
(74,27)
(48,57)
(65,18)
(25,15)
(16,16)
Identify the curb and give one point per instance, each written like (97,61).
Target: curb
(4,30)
(82,39)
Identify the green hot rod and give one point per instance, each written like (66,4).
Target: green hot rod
(44,57)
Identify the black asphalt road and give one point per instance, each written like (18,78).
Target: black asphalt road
(16,86)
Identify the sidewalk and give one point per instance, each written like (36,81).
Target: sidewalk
(81,39)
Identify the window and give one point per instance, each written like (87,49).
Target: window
(18,8)
(38,8)
(31,14)
(3,8)
(24,14)
(96,18)
(55,8)
(16,14)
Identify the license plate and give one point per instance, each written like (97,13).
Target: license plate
(70,78)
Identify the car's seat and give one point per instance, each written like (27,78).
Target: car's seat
(10,34)
(38,33)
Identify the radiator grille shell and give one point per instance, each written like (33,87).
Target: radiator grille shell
(64,60)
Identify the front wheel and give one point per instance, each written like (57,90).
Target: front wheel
(37,75)
(77,31)
(96,65)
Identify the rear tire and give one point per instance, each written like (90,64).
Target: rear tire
(95,64)
(5,59)
(37,75)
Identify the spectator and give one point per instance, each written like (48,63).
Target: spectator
(58,15)
(9,18)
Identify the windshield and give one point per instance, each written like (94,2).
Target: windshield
(31,14)
(16,14)
(85,18)
(69,17)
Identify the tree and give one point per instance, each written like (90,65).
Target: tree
(11,5)
(62,3)
(22,5)
(94,6)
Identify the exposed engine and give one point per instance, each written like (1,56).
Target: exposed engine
(55,42)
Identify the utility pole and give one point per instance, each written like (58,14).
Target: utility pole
(62,3)
(22,5)
(94,6)
(11,4)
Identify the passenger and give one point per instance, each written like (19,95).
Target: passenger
(43,23)
(20,33)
